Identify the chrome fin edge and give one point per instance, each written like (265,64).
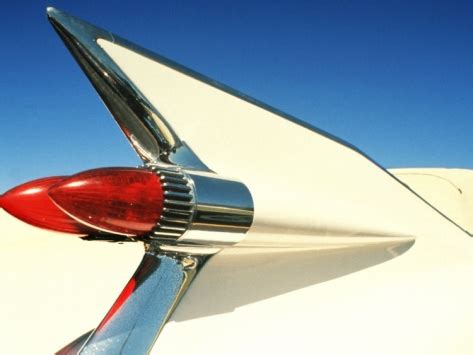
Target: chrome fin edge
(147,130)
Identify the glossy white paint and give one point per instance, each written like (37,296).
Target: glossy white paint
(339,301)
(56,287)
(346,301)
(371,269)
(449,190)
(303,183)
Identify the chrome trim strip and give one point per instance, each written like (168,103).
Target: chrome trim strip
(184,154)
(192,201)
(221,86)
(218,85)
(147,130)
(146,303)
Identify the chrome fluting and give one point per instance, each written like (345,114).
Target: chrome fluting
(178,206)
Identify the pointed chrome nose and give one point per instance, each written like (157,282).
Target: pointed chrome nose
(51,11)
(71,24)
(62,20)
(133,113)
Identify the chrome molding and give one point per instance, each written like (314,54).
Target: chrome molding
(144,306)
(100,33)
(147,130)
(179,201)
(195,198)
(222,205)
(197,201)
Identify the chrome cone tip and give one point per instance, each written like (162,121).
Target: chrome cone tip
(113,86)
(134,113)
(62,21)
(54,14)
(50,10)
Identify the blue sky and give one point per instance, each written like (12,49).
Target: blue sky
(393,78)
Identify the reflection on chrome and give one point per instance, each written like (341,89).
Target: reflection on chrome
(138,315)
(148,132)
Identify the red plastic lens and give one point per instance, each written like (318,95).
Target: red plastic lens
(125,201)
(31,204)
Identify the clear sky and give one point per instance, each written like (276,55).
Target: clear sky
(394,78)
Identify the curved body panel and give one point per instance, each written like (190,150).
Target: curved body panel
(339,257)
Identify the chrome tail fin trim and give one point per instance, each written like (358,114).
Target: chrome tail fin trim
(148,132)
(135,320)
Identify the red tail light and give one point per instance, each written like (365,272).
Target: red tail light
(30,203)
(117,200)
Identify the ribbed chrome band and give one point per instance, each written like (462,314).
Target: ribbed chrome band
(178,206)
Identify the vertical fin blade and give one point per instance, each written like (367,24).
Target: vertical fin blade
(148,132)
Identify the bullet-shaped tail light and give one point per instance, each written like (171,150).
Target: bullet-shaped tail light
(156,203)
(30,203)
(126,201)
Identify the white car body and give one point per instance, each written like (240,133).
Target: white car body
(341,258)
